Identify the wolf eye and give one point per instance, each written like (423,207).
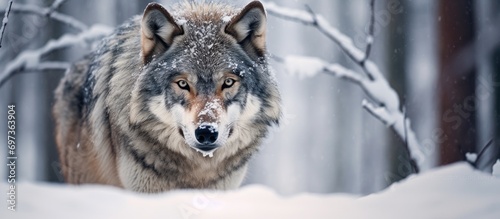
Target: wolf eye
(229,82)
(183,85)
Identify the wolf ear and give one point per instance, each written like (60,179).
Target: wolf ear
(249,29)
(158,29)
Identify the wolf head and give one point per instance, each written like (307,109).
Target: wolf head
(205,81)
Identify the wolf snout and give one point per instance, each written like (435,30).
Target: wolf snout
(206,135)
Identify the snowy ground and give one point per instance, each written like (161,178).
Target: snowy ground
(455,191)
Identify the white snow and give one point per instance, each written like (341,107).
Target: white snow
(496,169)
(303,66)
(226,19)
(206,153)
(181,21)
(369,40)
(273,8)
(454,191)
(379,89)
(471,157)
(381,112)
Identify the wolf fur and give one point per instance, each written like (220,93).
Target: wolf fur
(128,114)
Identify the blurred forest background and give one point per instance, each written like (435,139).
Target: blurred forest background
(442,57)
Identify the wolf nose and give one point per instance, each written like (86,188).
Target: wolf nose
(206,134)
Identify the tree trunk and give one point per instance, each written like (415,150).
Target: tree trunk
(457,80)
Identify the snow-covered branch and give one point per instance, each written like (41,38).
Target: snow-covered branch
(385,106)
(31,59)
(49,65)
(49,12)
(5,20)
(304,66)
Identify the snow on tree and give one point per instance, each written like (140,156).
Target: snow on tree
(384,101)
(30,60)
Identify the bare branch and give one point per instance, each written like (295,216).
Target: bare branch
(369,38)
(48,12)
(30,59)
(412,162)
(5,21)
(55,5)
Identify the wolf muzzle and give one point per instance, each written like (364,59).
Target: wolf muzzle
(206,136)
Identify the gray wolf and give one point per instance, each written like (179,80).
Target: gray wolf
(169,101)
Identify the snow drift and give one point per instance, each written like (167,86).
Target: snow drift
(455,191)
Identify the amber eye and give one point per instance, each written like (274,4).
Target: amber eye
(229,82)
(183,84)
